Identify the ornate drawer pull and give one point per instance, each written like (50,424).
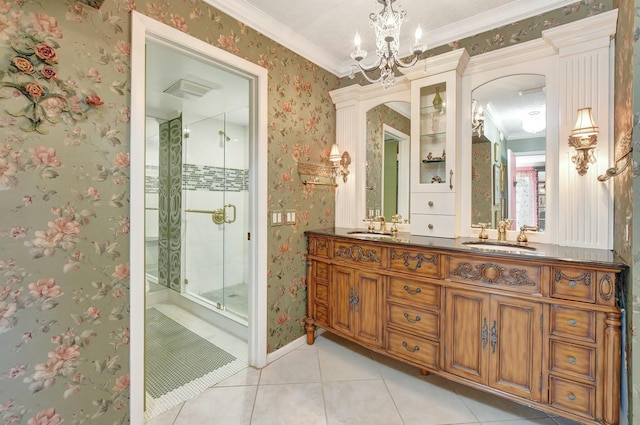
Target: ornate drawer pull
(485,334)
(573,323)
(416,292)
(406,316)
(571,397)
(572,360)
(406,347)
(494,337)
(573,284)
(430,226)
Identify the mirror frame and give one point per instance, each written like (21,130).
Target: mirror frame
(493,66)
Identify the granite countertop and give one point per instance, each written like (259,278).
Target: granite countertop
(541,252)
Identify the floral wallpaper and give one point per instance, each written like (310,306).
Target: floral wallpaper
(376,118)
(64,167)
(482,190)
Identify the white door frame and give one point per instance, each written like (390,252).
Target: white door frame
(144,28)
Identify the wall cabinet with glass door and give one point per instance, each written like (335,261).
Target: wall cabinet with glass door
(434,133)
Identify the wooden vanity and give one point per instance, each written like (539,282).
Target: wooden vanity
(540,328)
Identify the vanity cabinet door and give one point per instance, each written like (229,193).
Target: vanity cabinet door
(494,340)
(467,334)
(515,339)
(356,300)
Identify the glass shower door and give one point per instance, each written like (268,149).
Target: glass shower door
(215,196)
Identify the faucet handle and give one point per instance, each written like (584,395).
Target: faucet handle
(507,223)
(370,227)
(483,230)
(396,218)
(522,237)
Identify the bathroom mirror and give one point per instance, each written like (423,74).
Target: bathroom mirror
(388,126)
(508,165)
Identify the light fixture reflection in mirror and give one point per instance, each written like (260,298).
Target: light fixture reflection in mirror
(509,152)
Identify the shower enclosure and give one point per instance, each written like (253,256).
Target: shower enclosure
(197,185)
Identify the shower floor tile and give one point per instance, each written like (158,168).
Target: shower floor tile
(227,342)
(236,298)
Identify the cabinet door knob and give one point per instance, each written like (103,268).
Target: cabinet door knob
(430,226)
(571,396)
(430,203)
(573,323)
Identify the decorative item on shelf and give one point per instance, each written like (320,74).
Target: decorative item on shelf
(477,121)
(437,101)
(444,154)
(584,138)
(436,179)
(386,24)
(429,156)
(340,162)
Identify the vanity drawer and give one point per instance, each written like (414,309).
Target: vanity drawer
(321,271)
(321,314)
(573,322)
(573,359)
(573,284)
(356,252)
(572,396)
(513,276)
(418,294)
(419,262)
(322,293)
(319,246)
(433,203)
(441,226)
(422,322)
(417,350)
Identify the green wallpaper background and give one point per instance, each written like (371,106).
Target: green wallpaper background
(64,165)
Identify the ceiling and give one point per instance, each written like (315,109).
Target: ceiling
(323,31)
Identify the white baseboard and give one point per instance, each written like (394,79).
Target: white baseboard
(272,357)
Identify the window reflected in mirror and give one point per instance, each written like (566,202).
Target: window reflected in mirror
(509,151)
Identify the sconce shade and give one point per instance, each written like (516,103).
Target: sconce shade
(585,125)
(335,155)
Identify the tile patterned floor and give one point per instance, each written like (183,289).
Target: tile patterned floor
(335,382)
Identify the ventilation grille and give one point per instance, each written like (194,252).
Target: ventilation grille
(187,89)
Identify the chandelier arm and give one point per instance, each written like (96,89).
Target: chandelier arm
(371,80)
(372,68)
(402,64)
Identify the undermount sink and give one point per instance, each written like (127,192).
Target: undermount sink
(499,246)
(370,234)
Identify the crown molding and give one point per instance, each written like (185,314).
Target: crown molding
(243,11)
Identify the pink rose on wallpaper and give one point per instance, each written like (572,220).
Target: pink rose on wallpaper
(122,383)
(179,22)
(227,43)
(123,47)
(18,232)
(45,288)
(121,159)
(94,100)
(47,241)
(94,193)
(46,417)
(53,106)
(283,318)
(121,271)
(8,170)
(7,315)
(65,226)
(46,156)
(65,353)
(93,313)
(44,22)
(34,90)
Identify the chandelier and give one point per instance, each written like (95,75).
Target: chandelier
(534,122)
(386,24)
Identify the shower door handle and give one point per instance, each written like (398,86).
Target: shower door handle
(225,213)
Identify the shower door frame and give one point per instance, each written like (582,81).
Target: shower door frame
(143,29)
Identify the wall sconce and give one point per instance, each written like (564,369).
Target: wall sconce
(340,162)
(584,138)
